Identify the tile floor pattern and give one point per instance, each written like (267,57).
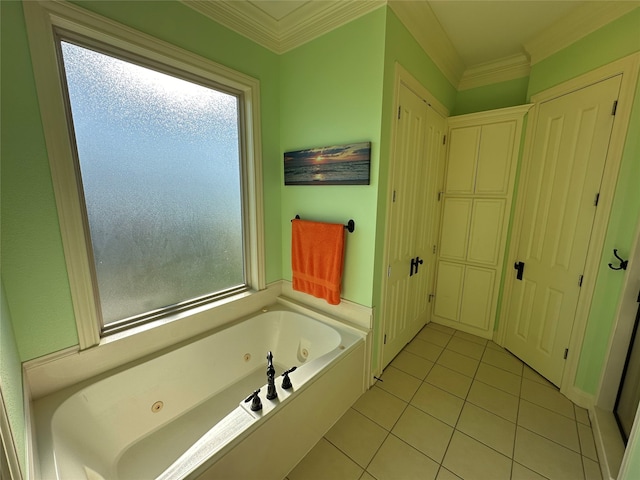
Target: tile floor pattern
(455,406)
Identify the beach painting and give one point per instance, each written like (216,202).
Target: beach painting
(337,165)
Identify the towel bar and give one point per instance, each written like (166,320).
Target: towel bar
(350,226)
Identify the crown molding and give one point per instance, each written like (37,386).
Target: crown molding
(242,18)
(580,22)
(314,19)
(310,21)
(419,19)
(508,68)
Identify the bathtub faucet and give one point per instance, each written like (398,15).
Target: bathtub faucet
(271,378)
(286,381)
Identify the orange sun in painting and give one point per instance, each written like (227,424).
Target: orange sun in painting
(319,158)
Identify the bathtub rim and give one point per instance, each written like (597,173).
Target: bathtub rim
(55,371)
(44,408)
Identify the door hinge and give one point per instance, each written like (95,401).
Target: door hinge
(580,280)
(393,200)
(439,195)
(389,271)
(566,353)
(444,140)
(434,249)
(595,202)
(384,342)
(399,109)
(431,296)
(615,107)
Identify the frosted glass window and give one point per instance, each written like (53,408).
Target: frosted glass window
(159,159)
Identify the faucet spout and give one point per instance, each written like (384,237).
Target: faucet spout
(271,378)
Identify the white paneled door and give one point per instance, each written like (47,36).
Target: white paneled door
(413,221)
(560,189)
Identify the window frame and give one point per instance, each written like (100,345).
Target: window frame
(46,21)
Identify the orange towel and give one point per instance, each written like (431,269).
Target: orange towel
(317,257)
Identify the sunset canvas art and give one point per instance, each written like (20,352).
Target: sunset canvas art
(336,165)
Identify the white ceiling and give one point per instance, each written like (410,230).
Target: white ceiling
(485,31)
(466,38)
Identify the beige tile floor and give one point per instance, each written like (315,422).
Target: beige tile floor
(455,406)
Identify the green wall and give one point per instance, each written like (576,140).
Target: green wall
(33,266)
(32,259)
(331,94)
(612,42)
(488,97)
(11,381)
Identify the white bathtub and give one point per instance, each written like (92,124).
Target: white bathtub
(116,427)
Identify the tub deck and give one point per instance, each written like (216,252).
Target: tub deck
(155,451)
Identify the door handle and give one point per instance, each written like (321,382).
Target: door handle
(415,263)
(519,266)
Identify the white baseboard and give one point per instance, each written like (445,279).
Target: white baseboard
(579,397)
(608,442)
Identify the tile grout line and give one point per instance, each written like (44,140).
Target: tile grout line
(584,471)
(440,466)
(548,409)
(515,433)
(455,427)
(390,428)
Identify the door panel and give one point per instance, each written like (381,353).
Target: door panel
(428,217)
(477,297)
(449,290)
(496,149)
(524,310)
(455,228)
(486,231)
(461,168)
(565,170)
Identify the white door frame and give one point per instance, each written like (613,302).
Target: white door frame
(628,67)
(401,76)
